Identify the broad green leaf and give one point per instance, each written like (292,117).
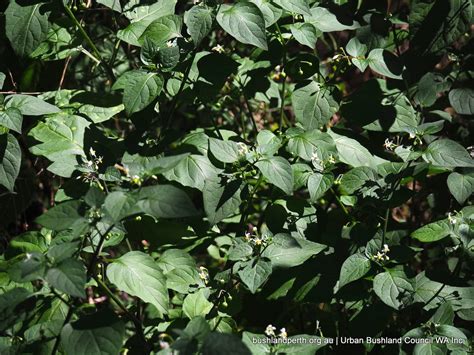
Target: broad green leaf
(12,119)
(99,114)
(305,33)
(220,343)
(94,334)
(196,304)
(112,4)
(163,29)
(357,50)
(10,160)
(184,279)
(192,171)
(139,275)
(448,154)
(433,232)
(430,348)
(287,251)
(462,100)
(270,12)
(306,144)
(268,143)
(318,184)
(61,138)
(278,172)
(224,151)
(354,268)
(240,250)
(26,26)
(120,204)
(198,20)
(256,343)
(245,22)
(29,242)
(140,89)
(461,186)
(62,216)
(392,288)
(385,63)
(254,273)
(314,105)
(30,105)
(175,258)
(69,276)
(30,268)
(326,21)
(444,314)
(355,178)
(353,153)
(165,201)
(430,86)
(295,6)
(141,15)
(221,199)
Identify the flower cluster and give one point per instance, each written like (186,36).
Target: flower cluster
(270,331)
(390,144)
(90,167)
(382,254)
(255,239)
(203,274)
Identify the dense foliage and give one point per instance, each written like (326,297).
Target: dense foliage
(261,176)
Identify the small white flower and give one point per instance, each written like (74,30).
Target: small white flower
(203,274)
(331,159)
(169,44)
(389,144)
(452,219)
(283,334)
(386,249)
(195,2)
(218,48)
(270,330)
(412,135)
(243,149)
(92,152)
(90,163)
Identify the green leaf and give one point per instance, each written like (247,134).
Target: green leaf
(12,119)
(2,79)
(461,186)
(141,88)
(163,29)
(353,153)
(444,314)
(462,100)
(245,22)
(165,201)
(221,199)
(392,288)
(433,232)
(326,21)
(354,268)
(30,268)
(268,143)
(33,22)
(355,178)
(357,50)
(29,242)
(192,171)
(278,172)
(287,251)
(184,279)
(62,139)
(220,343)
(198,20)
(307,143)
(62,216)
(196,304)
(430,86)
(139,275)
(30,105)
(254,273)
(94,334)
(240,250)
(111,4)
(318,184)
(295,6)
(141,15)
(69,276)
(10,160)
(385,63)
(224,151)
(314,105)
(448,154)
(270,13)
(305,33)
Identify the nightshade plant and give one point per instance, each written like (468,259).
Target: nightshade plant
(184,178)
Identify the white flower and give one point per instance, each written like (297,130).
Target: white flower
(317,162)
(452,219)
(283,334)
(195,2)
(270,330)
(218,48)
(389,144)
(92,152)
(169,44)
(203,274)
(243,149)
(331,159)
(386,249)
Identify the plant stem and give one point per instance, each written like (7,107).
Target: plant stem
(84,34)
